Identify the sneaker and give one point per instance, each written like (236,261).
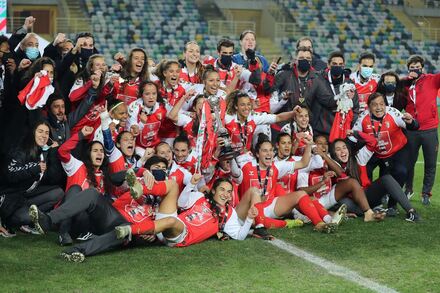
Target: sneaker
(392,212)
(85,236)
(73,256)
(294,223)
(123,231)
(262,234)
(426,199)
(412,216)
(65,239)
(326,227)
(136,189)
(339,215)
(29,230)
(409,193)
(7,233)
(41,221)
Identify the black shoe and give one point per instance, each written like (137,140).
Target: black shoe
(392,212)
(426,199)
(65,239)
(262,234)
(413,217)
(41,221)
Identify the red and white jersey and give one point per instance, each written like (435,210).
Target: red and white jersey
(149,131)
(288,182)
(171,95)
(365,89)
(92,118)
(189,78)
(388,132)
(189,163)
(134,211)
(262,180)
(227,75)
(242,134)
(75,169)
(79,90)
(179,174)
(293,130)
(127,90)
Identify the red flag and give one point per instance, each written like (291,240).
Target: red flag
(36,92)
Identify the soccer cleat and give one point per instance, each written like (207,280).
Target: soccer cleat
(65,239)
(262,234)
(426,200)
(41,221)
(294,223)
(136,189)
(123,231)
(7,233)
(412,217)
(326,227)
(339,215)
(73,256)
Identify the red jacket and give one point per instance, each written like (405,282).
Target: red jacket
(423,105)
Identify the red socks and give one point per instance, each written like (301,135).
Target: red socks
(307,207)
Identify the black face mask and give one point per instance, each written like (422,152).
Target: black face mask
(85,54)
(303,65)
(418,71)
(159,175)
(390,87)
(336,70)
(226,60)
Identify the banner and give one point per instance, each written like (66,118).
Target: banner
(3,8)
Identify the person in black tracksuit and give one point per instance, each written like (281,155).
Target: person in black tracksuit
(335,75)
(31,175)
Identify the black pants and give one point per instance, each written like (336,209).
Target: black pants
(428,140)
(45,197)
(97,244)
(374,193)
(103,216)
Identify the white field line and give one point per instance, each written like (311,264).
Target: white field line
(332,268)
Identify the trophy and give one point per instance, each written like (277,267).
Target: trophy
(226,151)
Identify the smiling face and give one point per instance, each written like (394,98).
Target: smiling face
(164,151)
(265,155)
(41,135)
(172,74)
(248,42)
(284,146)
(97,154)
(198,106)
(192,53)
(212,83)
(137,62)
(302,118)
(126,144)
(377,107)
(322,143)
(181,151)
(223,193)
(243,108)
(341,151)
(120,113)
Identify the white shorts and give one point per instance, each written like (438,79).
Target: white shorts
(175,240)
(328,200)
(269,211)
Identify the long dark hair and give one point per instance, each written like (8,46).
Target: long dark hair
(262,138)
(352,168)
(142,89)
(37,66)
(29,145)
(86,159)
(144,74)
(196,123)
(216,210)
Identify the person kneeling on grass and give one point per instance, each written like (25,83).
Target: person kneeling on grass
(203,215)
